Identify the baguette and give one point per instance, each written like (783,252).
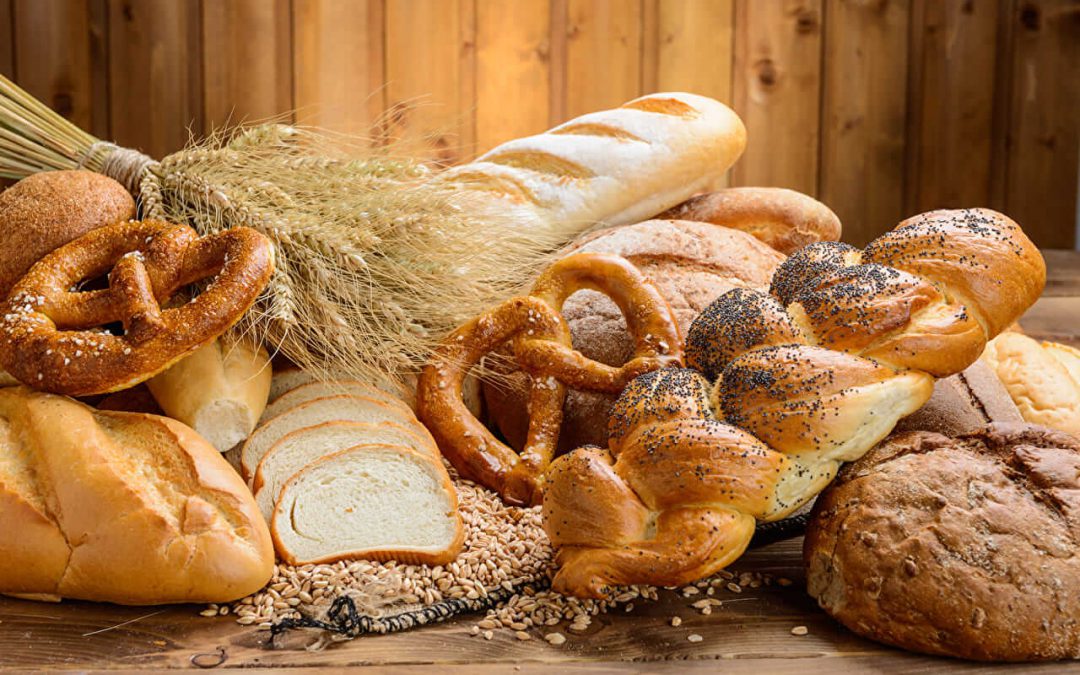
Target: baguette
(614,167)
(220,390)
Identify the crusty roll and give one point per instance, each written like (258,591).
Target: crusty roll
(615,166)
(963,547)
(1043,379)
(121,507)
(980,256)
(44,211)
(220,390)
(690,264)
(784,219)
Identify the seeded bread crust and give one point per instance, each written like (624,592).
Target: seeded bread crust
(964,546)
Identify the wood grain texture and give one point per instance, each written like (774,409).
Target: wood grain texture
(749,633)
(513,70)
(155,75)
(52,55)
(7,39)
(1040,150)
(951,103)
(603,54)
(338,63)
(863,114)
(778,92)
(247,61)
(430,77)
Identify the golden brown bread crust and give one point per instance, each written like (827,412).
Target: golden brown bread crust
(44,211)
(811,406)
(980,256)
(690,263)
(784,219)
(1042,378)
(121,507)
(963,547)
(53,336)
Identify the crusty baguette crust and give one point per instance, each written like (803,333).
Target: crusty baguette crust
(220,390)
(409,557)
(614,166)
(147,512)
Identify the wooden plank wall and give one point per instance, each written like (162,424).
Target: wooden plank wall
(882,108)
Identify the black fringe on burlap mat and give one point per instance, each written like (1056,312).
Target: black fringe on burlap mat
(346,620)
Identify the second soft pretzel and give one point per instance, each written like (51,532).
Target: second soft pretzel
(59,338)
(540,341)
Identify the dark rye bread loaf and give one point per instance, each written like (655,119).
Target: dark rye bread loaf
(691,264)
(963,403)
(966,546)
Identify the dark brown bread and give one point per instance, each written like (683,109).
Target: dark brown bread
(963,403)
(962,546)
(44,211)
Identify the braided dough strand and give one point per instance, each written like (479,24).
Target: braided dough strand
(806,378)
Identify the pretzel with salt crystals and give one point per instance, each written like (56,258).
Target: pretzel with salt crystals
(540,339)
(56,337)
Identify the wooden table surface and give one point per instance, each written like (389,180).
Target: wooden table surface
(750,635)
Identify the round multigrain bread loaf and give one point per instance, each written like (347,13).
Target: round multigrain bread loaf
(691,264)
(44,211)
(962,546)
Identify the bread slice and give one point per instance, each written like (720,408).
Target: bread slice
(299,448)
(317,411)
(287,379)
(314,390)
(380,502)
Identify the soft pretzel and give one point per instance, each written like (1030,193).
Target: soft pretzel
(806,378)
(56,337)
(540,341)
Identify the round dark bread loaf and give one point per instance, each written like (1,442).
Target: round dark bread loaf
(690,263)
(966,547)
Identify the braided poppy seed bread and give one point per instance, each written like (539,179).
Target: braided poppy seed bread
(818,373)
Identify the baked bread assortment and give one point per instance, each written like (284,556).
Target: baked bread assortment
(961,546)
(344,470)
(806,378)
(121,507)
(219,390)
(708,360)
(1043,379)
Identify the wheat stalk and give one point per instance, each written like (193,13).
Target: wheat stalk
(376,262)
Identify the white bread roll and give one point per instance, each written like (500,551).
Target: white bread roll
(121,507)
(1043,379)
(614,166)
(380,502)
(220,390)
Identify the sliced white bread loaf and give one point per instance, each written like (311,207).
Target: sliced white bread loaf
(314,390)
(380,502)
(317,411)
(287,379)
(299,448)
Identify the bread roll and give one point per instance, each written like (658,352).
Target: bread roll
(784,219)
(220,390)
(962,547)
(1043,379)
(615,166)
(44,211)
(121,507)
(690,263)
